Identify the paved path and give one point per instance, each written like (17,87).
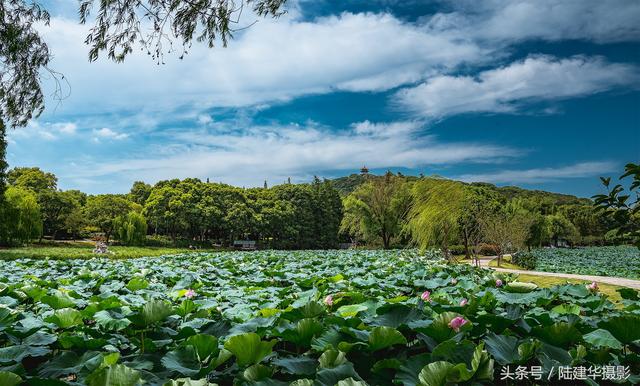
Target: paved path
(619,281)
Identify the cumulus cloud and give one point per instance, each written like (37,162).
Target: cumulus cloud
(272,60)
(108,133)
(249,156)
(537,175)
(46,130)
(552,20)
(505,89)
(66,127)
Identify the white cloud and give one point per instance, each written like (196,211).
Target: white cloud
(553,20)
(43,130)
(66,128)
(107,133)
(537,175)
(275,153)
(273,60)
(504,89)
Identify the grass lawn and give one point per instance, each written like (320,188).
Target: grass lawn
(506,263)
(84,250)
(549,281)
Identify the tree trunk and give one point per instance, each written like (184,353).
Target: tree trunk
(467,253)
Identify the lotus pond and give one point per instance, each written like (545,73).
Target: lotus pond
(622,261)
(298,318)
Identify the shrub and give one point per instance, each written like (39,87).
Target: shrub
(457,249)
(526,260)
(488,249)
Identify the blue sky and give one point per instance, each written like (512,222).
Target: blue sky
(542,94)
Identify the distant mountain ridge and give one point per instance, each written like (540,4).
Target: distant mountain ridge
(348,184)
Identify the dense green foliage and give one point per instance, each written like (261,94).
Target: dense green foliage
(436,212)
(377,211)
(310,317)
(384,211)
(131,229)
(21,218)
(621,207)
(623,261)
(188,212)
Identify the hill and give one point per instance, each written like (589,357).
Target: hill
(348,184)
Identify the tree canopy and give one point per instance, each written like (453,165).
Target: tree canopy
(378,209)
(155,24)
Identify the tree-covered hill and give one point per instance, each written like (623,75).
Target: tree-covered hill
(348,184)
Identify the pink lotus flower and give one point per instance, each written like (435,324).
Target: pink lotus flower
(457,322)
(463,302)
(190,293)
(426,296)
(593,287)
(499,283)
(454,281)
(328,300)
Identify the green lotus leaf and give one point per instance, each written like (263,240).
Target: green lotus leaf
(351,310)
(7,318)
(206,345)
(435,373)
(40,338)
(383,366)
(257,372)
(9,379)
(248,348)
(304,331)
(137,283)
(152,312)
(58,300)
(395,315)
(182,360)
(115,375)
(297,365)
(66,318)
(503,348)
(519,287)
(560,334)
(564,309)
(383,337)
(302,382)
(350,382)
(440,329)
(331,376)
(17,353)
(602,338)
(332,358)
(329,339)
(453,351)
(624,328)
(482,364)
(105,320)
(628,293)
(8,301)
(188,382)
(69,362)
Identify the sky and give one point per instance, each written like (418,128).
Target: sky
(542,94)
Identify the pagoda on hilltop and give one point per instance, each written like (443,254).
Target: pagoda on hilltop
(364,171)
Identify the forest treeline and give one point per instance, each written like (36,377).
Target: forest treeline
(378,211)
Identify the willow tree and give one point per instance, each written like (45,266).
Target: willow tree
(437,208)
(21,220)
(377,210)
